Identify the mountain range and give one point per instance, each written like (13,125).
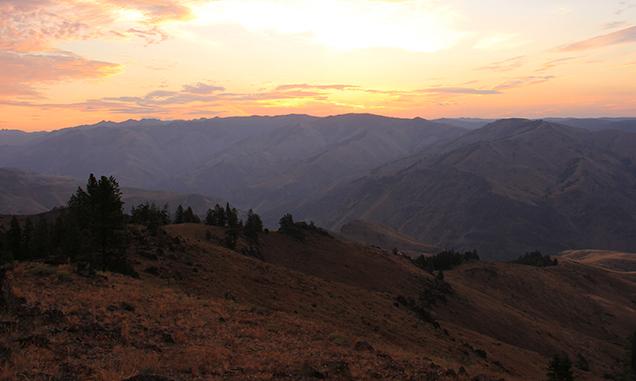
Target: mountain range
(502,187)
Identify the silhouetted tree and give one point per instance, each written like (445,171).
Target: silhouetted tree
(253,226)
(560,368)
(446,260)
(149,215)
(99,213)
(14,239)
(189,217)
(179,215)
(231,238)
(42,238)
(288,227)
(28,248)
(232,216)
(535,258)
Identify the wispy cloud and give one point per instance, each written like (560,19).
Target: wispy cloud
(505,65)
(554,63)
(20,73)
(309,86)
(458,90)
(627,35)
(523,81)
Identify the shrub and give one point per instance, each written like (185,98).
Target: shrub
(446,260)
(535,258)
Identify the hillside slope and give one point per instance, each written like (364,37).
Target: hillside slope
(272,164)
(25,193)
(510,187)
(202,312)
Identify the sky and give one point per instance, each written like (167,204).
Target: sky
(70,62)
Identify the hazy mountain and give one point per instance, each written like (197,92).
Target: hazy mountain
(467,123)
(271,163)
(512,186)
(598,124)
(30,193)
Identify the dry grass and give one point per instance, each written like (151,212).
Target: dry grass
(207,313)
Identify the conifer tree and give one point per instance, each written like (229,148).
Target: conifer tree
(179,215)
(28,249)
(14,239)
(253,226)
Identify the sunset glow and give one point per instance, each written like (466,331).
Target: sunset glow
(70,62)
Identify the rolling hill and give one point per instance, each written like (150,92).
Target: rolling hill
(318,309)
(24,193)
(273,164)
(512,186)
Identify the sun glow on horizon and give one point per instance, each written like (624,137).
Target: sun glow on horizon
(411,25)
(78,61)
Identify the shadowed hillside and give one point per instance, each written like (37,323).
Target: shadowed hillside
(274,164)
(510,187)
(315,309)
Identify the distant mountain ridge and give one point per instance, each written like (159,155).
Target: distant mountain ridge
(512,186)
(273,164)
(27,193)
(507,187)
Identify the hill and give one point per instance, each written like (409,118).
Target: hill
(25,193)
(385,238)
(317,309)
(273,164)
(507,188)
(610,260)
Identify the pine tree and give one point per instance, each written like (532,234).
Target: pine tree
(179,215)
(99,213)
(14,239)
(4,251)
(210,218)
(42,238)
(28,247)
(190,217)
(253,226)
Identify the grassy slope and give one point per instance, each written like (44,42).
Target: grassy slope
(200,311)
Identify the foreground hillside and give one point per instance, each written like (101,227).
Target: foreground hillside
(318,309)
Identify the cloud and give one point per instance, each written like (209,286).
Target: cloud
(523,81)
(505,65)
(202,88)
(554,63)
(627,35)
(320,87)
(36,25)
(20,73)
(458,90)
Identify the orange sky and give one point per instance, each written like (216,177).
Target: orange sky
(70,62)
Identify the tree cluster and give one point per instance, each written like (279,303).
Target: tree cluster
(149,215)
(297,230)
(91,229)
(446,260)
(535,258)
(186,216)
(222,217)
